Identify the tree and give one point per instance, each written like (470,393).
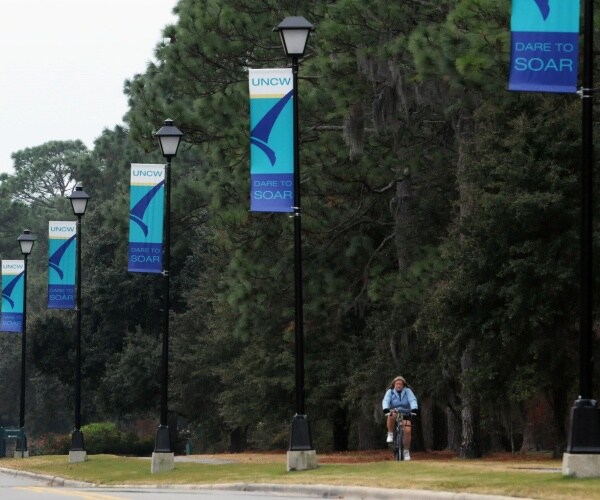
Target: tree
(45,172)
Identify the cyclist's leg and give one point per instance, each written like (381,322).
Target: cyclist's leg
(391,422)
(407,433)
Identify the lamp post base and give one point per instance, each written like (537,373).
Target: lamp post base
(163,458)
(21,449)
(581,465)
(77,452)
(163,440)
(582,458)
(162,462)
(301,460)
(584,432)
(77,456)
(301,439)
(302,455)
(77,441)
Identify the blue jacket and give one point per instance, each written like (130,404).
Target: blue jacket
(405,400)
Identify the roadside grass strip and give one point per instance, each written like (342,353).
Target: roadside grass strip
(529,479)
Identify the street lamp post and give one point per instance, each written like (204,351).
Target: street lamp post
(294,32)
(582,457)
(26,241)
(79,199)
(169,138)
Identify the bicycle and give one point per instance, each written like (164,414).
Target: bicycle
(398,442)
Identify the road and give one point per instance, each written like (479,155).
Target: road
(13,487)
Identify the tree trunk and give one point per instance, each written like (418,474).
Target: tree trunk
(469,446)
(340,430)
(368,439)
(470,443)
(426,417)
(559,412)
(453,423)
(237,440)
(402,212)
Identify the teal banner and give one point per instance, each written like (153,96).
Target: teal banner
(62,253)
(146,214)
(271,140)
(13,286)
(544,45)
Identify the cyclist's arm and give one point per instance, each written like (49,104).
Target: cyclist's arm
(386,404)
(412,400)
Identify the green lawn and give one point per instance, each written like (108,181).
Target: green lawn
(533,479)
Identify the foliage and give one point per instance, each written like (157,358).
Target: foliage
(105,437)
(49,444)
(45,172)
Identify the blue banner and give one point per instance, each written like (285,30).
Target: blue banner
(13,286)
(146,213)
(271,140)
(62,253)
(544,45)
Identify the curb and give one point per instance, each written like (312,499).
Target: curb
(352,492)
(51,480)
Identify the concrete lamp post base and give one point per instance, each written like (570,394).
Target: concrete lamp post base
(77,452)
(21,454)
(581,465)
(582,458)
(162,462)
(301,460)
(77,456)
(302,455)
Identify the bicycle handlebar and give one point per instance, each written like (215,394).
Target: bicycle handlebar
(404,413)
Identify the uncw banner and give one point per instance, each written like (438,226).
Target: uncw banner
(13,285)
(146,213)
(544,45)
(62,253)
(271,140)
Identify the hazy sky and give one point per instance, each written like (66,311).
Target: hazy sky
(63,66)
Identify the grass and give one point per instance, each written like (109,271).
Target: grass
(529,478)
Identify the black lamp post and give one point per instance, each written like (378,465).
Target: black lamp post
(294,32)
(26,241)
(169,138)
(79,199)
(584,431)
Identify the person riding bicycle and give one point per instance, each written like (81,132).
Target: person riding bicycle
(400,397)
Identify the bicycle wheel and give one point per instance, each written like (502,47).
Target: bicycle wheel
(399,443)
(394,445)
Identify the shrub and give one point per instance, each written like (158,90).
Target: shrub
(105,437)
(49,444)
(98,437)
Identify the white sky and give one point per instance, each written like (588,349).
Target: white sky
(63,65)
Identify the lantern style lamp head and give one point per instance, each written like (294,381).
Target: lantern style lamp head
(79,199)
(26,240)
(169,137)
(294,32)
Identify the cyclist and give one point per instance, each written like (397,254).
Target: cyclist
(400,397)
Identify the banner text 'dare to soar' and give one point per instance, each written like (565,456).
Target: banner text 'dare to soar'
(142,254)
(273,190)
(524,62)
